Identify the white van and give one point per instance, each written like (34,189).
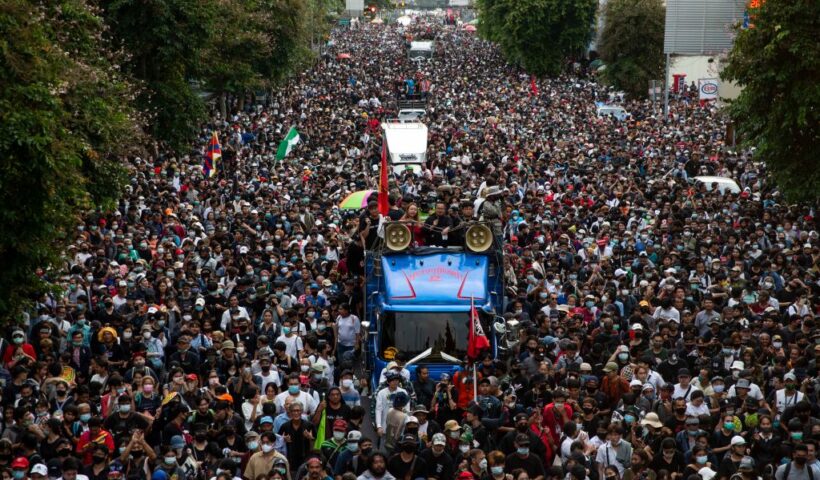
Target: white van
(722,184)
(604,110)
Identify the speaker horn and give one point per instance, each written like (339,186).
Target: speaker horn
(397,236)
(479,238)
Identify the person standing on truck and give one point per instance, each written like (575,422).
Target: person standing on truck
(369,225)
(437,227)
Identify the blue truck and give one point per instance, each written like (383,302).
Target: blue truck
(418,300)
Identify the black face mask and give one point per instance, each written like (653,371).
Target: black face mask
(521,427)
(99,459)
(367,451)
(63,452)
(201,437)
(680,410)
(410,448)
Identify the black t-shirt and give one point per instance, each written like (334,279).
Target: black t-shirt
(439,467)
(332,414)
(532,465)
(400,469)
(286,365)
(123,427)
(299,445)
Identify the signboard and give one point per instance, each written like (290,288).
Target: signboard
(701,27)
(354,6)
(708,88)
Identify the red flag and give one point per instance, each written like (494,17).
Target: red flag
(384,203)
(477,341)
(533,86)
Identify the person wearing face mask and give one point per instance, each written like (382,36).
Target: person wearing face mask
(406,463)
(524,459)
(125,420)
(350,395)
(765,442)
(789,395)
(353,457)
(335,444)
(98,469)
(289,337)
(94,436)
(495,466)
(266,458)
(798,468)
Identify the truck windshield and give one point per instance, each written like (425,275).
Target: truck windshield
(415,332)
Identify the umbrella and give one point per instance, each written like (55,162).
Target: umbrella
(356,200)
(596,63)
(470,28)
(342,56)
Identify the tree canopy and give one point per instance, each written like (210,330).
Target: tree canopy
(538,35)
(777,64)
(67,120)
(84,84)
(631,44)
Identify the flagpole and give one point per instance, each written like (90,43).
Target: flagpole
(472,327)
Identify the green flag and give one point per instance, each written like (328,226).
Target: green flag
(320,432)
(286,145)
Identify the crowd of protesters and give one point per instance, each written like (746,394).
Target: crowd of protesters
(210,328)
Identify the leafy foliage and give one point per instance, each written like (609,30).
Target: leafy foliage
(777,63)
(67,119)
(538,34)
(632,44)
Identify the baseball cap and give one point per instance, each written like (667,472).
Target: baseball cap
(265,419)
(747,463)
(20,462)
(339,425)
(354,436)
(39,469)
(177,442)
(522,439)
(610,367)
(738,440)
(451,425)
(743,383)
(439,439)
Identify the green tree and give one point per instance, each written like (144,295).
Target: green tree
(632,44)
(777,64)
(67,120)
(166,42)
(538,34)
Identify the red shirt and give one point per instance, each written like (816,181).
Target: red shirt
(103,438)
(9,356)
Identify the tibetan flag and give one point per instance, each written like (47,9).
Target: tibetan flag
(477,342)
(286,145)
(384,203)
(533,86)
(212,155)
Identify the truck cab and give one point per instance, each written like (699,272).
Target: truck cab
(420,51)
(418,301)
(406,146)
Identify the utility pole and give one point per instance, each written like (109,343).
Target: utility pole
(666,90)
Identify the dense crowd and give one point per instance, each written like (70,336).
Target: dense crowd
(210,328)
